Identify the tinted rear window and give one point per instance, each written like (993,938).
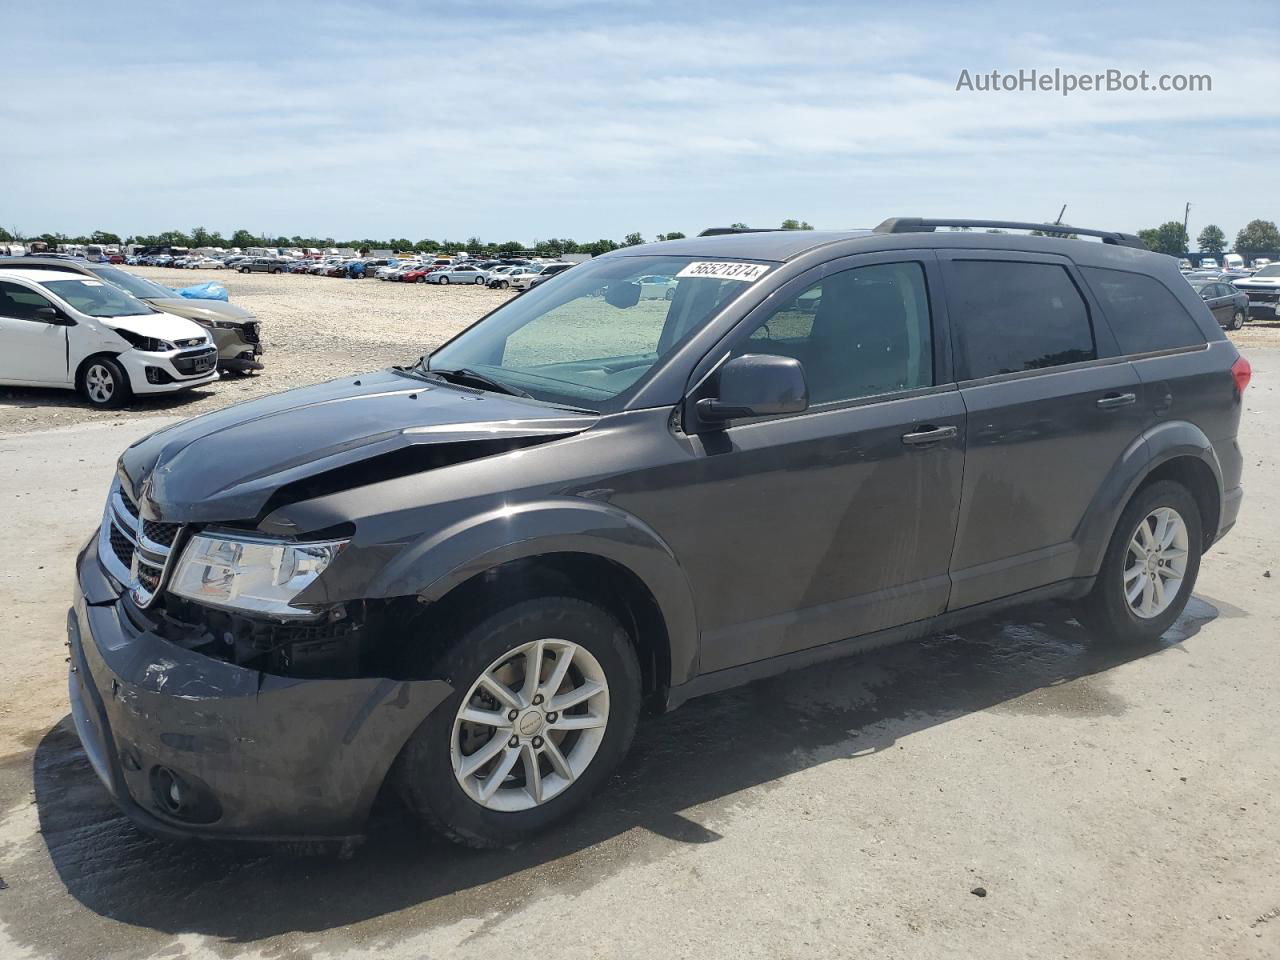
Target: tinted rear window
(1143,312)
(1010,316)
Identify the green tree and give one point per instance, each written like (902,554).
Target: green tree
(103,236)
(598,247)
(243,238)
(673,235)
(1212,240)
(5,235)
(423,246)
(796,225)
(1170,238)
(474,245)
(632,240)
(510,247)
(1258,236)
(739,226)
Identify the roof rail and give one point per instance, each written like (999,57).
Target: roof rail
(923,225)
(721,231)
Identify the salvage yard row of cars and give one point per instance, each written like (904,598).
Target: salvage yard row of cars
(515,273)
(91,327)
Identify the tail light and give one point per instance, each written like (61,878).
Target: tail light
(1241,373)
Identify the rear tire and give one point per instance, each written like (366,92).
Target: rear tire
(1126,567)
(1237,320)
(104,384)
(470,808)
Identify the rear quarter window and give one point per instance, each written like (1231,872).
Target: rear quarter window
(1143,313)
(1011,315)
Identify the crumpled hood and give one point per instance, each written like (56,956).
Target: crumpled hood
(161,326)
(225,466)
(206,310)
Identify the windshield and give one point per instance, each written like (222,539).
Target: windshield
(1272,270)
(141,288)
(588,337)
(97,299)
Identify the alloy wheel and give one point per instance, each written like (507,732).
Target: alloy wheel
(99,384)
(530,725)
(1156,562)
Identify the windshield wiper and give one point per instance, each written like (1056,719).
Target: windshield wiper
(467,377)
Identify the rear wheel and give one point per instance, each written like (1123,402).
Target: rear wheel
(545,702)
(104,383)
(1150,566)
(1237,320)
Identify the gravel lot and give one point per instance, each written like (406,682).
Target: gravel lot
(314,328)
(1108,803)
(318,328)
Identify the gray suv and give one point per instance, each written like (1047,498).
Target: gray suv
(465,578)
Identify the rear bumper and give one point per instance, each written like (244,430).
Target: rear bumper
(1231,501)
(255,756)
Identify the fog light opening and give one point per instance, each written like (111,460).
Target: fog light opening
(169,792)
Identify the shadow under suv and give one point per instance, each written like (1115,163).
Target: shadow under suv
(469,575)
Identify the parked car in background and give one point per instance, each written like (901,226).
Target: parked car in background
(517,275)
(1259,263)
(236,332)
(261,265)
(117,258)
(1208,263)
(458,273)
(499,276)
(525,280)
(1263,290)
(1233,261)
(417,274)
(206,263)
(657,287)
(399,270)
(548,271)
(1229,306)
(59,328)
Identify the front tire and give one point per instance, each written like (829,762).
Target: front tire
(1150,566)
(443,280)
(515,749)
(104,384)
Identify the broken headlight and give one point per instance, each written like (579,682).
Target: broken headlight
(251,574)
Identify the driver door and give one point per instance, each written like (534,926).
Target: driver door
(32,350)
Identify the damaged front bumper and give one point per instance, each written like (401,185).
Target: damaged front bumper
(190,746)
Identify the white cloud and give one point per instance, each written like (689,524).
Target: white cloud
(578,119)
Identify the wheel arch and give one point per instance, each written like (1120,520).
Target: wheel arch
(97,355)
(1176,450)
(590,549)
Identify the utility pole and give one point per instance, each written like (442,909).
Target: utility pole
(1186,216)
(1061,213)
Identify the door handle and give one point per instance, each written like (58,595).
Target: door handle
(929,434)
(1113,400)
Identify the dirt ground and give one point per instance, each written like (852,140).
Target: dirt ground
(318,328)
(1108,802)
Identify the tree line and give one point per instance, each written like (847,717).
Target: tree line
(201,237)
(1257,237)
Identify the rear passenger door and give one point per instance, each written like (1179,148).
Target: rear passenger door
(1051,411)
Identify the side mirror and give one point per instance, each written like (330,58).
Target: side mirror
(51,315)
(757,385)
(622,295)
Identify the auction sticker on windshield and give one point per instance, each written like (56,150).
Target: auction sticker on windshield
(726,270)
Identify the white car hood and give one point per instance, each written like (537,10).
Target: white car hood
(1258,282)
(161,326)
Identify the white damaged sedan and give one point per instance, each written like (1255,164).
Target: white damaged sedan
(62,329)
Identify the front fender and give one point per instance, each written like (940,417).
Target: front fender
(446,558)
(1158,445)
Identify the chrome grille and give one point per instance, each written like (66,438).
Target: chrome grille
(135,551)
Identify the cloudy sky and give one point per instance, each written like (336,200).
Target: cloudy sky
(593,120)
